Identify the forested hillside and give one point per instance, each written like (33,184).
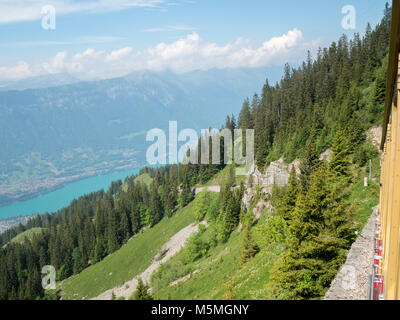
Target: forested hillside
(343,87)
(329,102)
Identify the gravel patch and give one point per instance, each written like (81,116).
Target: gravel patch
(215,189)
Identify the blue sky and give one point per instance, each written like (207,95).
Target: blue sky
(102,38)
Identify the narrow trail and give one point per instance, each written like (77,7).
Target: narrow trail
(169,249)
(215,189)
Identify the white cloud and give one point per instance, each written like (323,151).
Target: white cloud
(30,10)
(186,54)
(118,54)
(18,71)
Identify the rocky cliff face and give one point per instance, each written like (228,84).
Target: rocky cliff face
(277,173)
(375,135)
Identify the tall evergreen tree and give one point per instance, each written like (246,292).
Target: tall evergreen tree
(321,233)
(308,163)
(288,203)
(250,248)
(156,207)
(142,292)
(340,154)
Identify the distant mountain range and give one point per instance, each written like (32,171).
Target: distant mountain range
(52,80)
(61,129)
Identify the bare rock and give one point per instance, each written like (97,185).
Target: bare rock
(327,155)
(353,280)
(375,135)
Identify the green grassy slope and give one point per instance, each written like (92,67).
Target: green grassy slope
(364,198)
(145,177)
(129,261)
(28,234)
(219,274)
(222,177)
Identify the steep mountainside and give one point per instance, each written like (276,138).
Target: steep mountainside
(285,241)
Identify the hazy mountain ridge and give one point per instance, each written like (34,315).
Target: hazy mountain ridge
(54,134)
(44,81)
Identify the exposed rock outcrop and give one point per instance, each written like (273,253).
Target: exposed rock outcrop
(375,135)
(327,155)
(277,173)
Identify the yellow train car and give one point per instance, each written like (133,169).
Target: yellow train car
(387,249)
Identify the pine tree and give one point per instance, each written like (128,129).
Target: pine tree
(339,164)
(250,248)
(78,264)
(186,195)
(34,288)
(100,250)
(286,207)
(112,233)
(124,227)
(308,163)
(321,233)
(379,94)
(156,207)
(231,210)
(245,120)
(244,123)
(142,292)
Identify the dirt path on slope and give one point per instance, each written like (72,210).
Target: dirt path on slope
(172,247)
(216,189)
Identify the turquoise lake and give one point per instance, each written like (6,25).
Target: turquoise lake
(60,198)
